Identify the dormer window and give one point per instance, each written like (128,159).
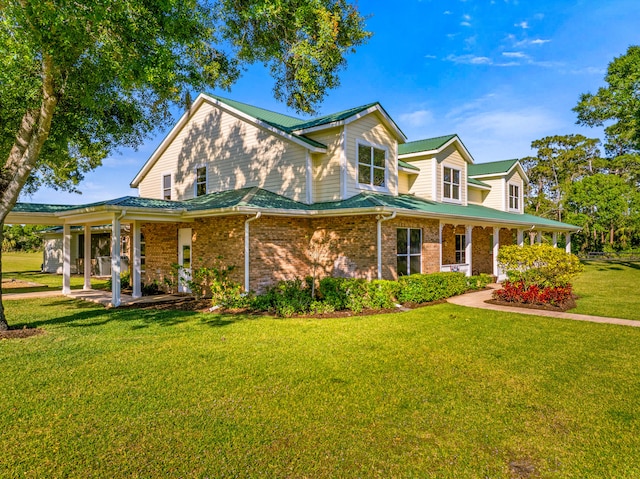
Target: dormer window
(451,183)
(166,187)
(514,197)
(372,167)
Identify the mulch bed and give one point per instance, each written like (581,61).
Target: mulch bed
(20,333)
(567,305)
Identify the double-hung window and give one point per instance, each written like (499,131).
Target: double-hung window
(372,166)
(166,187)
(409,251)
(451,183)
(514,197)
(461,246)
(201,181)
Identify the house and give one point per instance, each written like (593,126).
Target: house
(275,196)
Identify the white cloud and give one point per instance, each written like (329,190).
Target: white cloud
(431,57)
(446,12)
(523,25)
(539,41)
(465,24)
(416,118)
(469,60)
(514,55)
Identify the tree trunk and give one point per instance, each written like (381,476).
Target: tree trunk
(23,157)
(3,320)
(611,235)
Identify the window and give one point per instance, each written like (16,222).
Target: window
(166,187)
(201,181)
(409,251)
(451,183)
(514,197)
(461,244)
(372,166)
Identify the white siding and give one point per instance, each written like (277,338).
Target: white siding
(515,179)
(450,157)
(423,185)
(496,197)
(475,196)
(370,130)
(237,154)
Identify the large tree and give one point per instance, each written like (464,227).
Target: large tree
(617,108)
(560,161)
(78,79)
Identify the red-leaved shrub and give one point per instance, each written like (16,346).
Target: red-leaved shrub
(518,292)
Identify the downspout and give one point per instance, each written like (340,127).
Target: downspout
(382,218)
(247,249)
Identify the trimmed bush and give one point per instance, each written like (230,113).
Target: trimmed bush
(539,264)
(285,299)
(357,294)
(424,288)
(520,292)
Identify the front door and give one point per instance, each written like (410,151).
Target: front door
(184,259)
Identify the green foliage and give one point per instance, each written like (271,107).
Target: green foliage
(21,238)
(538,264)
(125,281)
(358,294)
(150,289)
(424,288)
(285,298)
(475,283)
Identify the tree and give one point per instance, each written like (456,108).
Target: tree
(618,107)
(603,204)
(79,79)
(560,161)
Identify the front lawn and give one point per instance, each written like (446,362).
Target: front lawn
(609,288)
(442,391)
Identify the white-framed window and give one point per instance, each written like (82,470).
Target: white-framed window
(514,197)
(166,186)
(201,181)
(372,166)
(409,246)
(461,247)
(451,183)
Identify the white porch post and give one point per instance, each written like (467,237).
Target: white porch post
(496,247)
(554,239)
(468,250)
(539,237)
(520,237)
(66,259)
(87,258)
(568,242)
(136,270)
(115,261)
(440,226)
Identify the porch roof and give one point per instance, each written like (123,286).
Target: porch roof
(254,199)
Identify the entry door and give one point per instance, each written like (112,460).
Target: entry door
(184,259)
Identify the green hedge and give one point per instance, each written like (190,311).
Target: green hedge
(288,298)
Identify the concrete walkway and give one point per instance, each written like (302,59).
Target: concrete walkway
(477,300)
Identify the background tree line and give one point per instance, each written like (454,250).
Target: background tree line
(588,183)
(22,238)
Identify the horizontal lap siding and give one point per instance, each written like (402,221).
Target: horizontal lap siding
(515,179)
(423,185)
(450,157)
(370,130)
(326,166)
(237,154)
(496,197)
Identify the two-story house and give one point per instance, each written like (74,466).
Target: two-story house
(275,196)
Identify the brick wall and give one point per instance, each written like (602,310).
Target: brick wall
(482,244)
(161,250)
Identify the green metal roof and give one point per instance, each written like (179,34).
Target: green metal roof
(408,166)
(428,144)
(491,168)
(40,208)
(473,181)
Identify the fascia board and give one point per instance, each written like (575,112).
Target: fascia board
(32,219)
(465,153)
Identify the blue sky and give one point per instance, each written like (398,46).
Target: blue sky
(499,73)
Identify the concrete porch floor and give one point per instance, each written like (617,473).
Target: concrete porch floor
(97,296)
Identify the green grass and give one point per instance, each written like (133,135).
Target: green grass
(26,267)
(442,392)
(608,288)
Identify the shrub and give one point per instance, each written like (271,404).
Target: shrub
(285,299)
(538,264)
(479,282)
(125,281)
(149,289)
(520,292)
(357,294)
(424,288)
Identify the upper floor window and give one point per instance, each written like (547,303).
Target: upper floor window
(451,183)
(409,244)
(372,166)
(166,187)
(514,197)
(201,181)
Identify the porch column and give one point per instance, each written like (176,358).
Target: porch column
(496,247)
(468,250)
(136,269)
(115,261)
(66,259)
(567,237)
(539,237)
(554,239)
(520,237)
(440,226)
(87,258)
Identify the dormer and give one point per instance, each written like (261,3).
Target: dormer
(442,163)
(506,181)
